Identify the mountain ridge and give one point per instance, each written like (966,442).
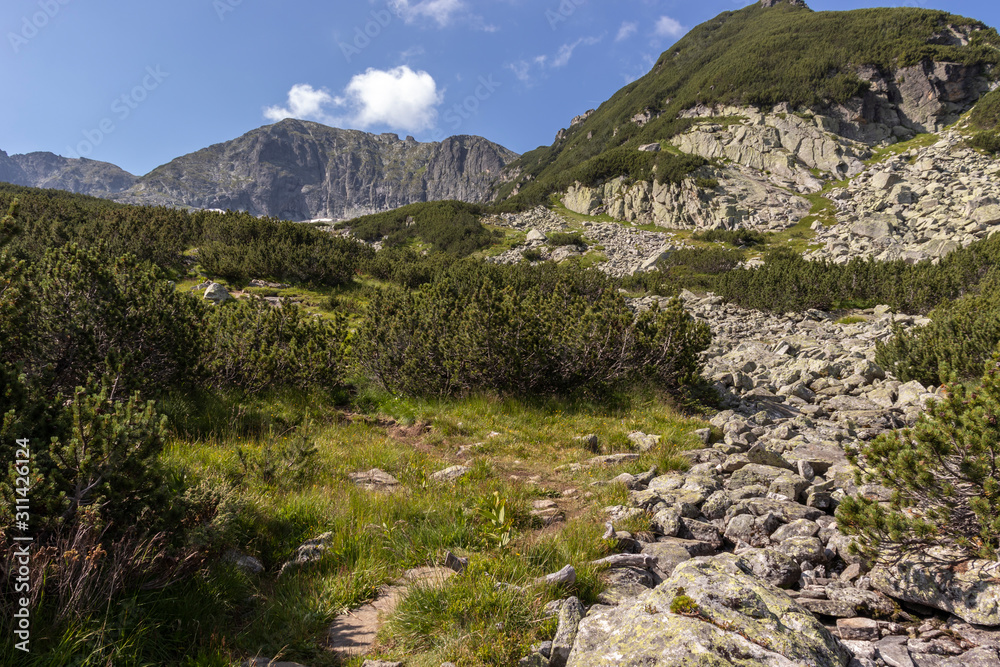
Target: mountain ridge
(293,169)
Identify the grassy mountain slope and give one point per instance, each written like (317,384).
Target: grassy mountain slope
(758,56)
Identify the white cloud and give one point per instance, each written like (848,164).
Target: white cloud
(440,11)
(524,69)
(628,29)
(304,101)
(398,98)
(521,69)
(566,50)
(668,27)
(413,52)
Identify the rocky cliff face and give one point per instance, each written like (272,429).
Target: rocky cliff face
(924,97)
(48,170)
(299,170)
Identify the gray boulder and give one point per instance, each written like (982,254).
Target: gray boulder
(970,591)
(773,567)
(451,474)
(878,226)
(755,474)
(736,619)
(217,294)
(374,480)
(570,615)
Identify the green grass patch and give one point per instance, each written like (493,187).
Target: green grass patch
(242,448)
(923,140)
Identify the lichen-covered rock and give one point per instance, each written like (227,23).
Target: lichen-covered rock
(754,474)
(753,530)
(968,590)
(772,566)
(217,294)
(667,521)
(738,620)
(569,621)
(802,549)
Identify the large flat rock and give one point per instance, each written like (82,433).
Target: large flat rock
(969,590)
(738,620)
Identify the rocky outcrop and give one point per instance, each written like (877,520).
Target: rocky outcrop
(10,170)
(47,170)
(970,590)
(780,144)
(298,170)
(740,200)
(925,97)
(743,563)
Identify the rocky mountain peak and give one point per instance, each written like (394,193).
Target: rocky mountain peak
(300,170)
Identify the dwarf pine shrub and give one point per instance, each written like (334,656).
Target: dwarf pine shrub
(945,478)
(523,329)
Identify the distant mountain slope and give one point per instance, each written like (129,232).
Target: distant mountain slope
(48,170)
(300,170)
(877,74)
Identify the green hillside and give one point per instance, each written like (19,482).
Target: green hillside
(756,56)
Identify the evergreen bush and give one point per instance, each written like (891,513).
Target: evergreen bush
(238,247)
(960,339)
(523,329)
(447,226)
(945,477)
(253,346)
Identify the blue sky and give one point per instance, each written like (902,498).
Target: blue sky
(140,83)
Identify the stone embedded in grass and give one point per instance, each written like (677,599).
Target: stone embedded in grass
(627,560)
(612,459)
(309,551)
(248,564)
(452,474)
(643,441)
(570,615)
(456,563)
(566,576)
(374,480)
(590,441)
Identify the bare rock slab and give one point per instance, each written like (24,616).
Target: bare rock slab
(741,620)
(375,480)
(969,590)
